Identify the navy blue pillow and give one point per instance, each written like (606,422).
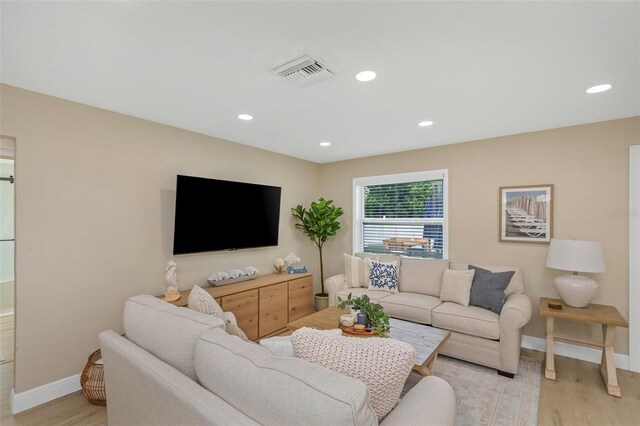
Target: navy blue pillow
(487,288)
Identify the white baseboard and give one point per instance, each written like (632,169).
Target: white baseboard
(45,393)
(569,350)
(7,313)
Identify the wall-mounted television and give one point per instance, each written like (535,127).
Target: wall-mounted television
(214,214)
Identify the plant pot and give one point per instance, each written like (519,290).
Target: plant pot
(322,301)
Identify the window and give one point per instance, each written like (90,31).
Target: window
(401,214)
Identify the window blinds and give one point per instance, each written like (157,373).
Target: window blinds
(404,218)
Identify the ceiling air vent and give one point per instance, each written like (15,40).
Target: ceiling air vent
(302,70)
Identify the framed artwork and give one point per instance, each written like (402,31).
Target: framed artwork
(526,214)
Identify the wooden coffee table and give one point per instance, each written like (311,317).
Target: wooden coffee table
(426,340)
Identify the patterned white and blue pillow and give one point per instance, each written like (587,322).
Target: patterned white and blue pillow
(383,276)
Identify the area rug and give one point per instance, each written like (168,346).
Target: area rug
(485,398)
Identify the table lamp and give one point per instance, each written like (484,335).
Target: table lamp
(577,256)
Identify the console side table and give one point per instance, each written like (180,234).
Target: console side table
(607,316)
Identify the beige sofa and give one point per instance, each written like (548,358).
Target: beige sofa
(477,335)
(178,367)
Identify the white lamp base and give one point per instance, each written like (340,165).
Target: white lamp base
(576,290)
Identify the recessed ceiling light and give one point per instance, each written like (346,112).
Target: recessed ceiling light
(365,76)
(425,123)
(325,144)
(245,117)
(599,88)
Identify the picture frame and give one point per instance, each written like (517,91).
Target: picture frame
(526,214)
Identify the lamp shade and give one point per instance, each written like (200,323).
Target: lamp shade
(575,255)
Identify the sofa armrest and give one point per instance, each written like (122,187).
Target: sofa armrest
(231,318)
(430,402)
(515,314)
(516,311)
(332,286)
(141,389)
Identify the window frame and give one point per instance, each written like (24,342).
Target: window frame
(358,204)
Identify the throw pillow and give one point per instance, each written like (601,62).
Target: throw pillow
(383,276)
(487,289)
(200,300)
(356,272)
(282,346)
(382,364)
(234,330)
(456,286)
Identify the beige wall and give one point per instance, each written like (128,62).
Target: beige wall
(587,164)
(94,213)
(95,196)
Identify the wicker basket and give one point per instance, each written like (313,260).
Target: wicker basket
(92,380)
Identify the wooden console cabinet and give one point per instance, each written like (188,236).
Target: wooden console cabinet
(266,305)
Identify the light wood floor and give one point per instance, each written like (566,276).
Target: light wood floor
(6,338)
(578,396)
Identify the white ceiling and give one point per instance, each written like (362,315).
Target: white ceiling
(477,69)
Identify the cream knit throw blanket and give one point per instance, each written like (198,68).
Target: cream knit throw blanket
(382,364)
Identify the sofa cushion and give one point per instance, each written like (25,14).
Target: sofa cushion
(456,286)
(374,295)
(388,258)
(356,272)
(383,275)
(487,289)
(166,331)
(200,300)
(277,390)
(383,364)
(516,284)
(410,306)
(422,276)
(469,320)
(365,256)
(282,346)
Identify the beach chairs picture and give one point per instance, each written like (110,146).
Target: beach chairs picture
(526,214)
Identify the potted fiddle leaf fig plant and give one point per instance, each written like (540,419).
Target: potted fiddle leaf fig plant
(319,222)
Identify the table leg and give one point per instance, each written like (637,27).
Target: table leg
(550,368)
(608,363)
(426,369)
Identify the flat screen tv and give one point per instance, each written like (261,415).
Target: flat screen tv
(214,214)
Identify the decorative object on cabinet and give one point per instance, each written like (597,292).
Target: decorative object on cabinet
(279,265)
(171,278)
(291,259)
(218,279)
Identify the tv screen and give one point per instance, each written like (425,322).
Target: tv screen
(216,214)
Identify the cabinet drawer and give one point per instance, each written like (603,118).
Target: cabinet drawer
(273,308)
(300,298)
(244,306)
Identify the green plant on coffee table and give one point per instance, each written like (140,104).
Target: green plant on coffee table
(378,319)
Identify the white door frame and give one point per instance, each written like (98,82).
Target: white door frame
(634,258)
